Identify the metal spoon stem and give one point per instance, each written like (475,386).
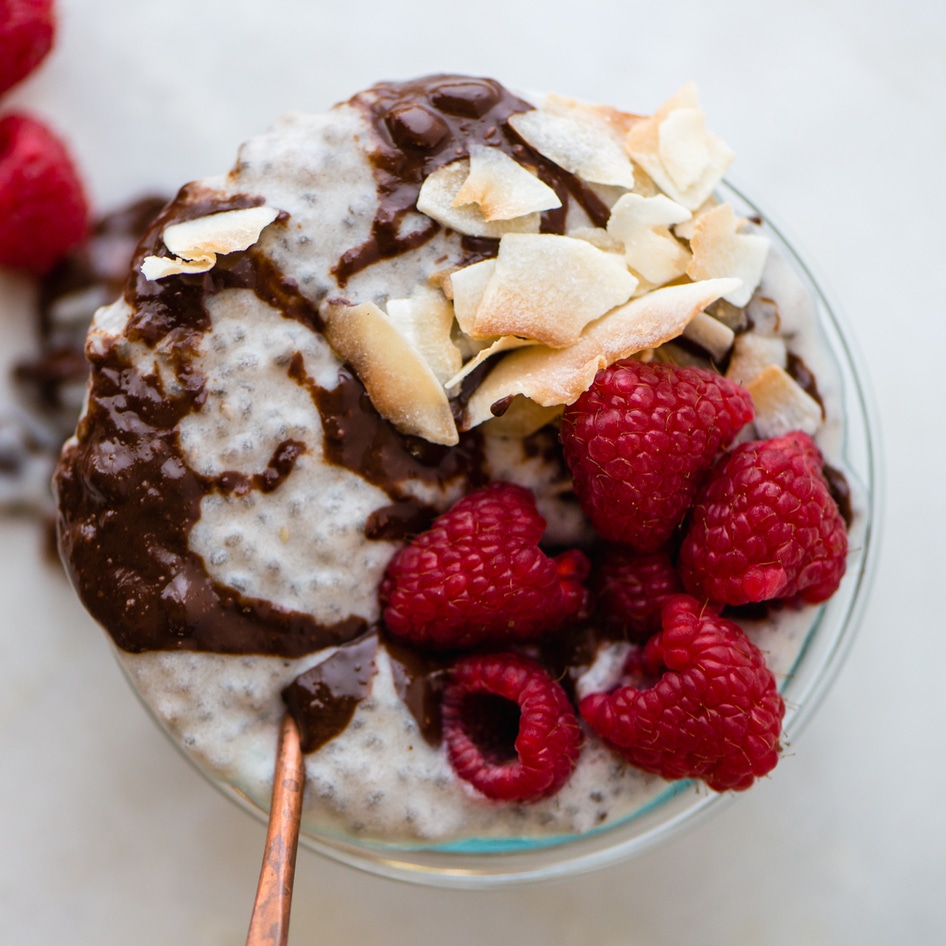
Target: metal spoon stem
(269,924)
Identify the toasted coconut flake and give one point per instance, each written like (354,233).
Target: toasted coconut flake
(426,320)
(684,230)
(160,267)
(558,376)
(398,380)
(719,249)
(506,343)
(219,233)
(682,146)
(467,286)
(782,405)
(548,288)
(682,152)
(641,224)
(441,280)
(521,418)
(598,237)
(617,121)
(752,352)
(765,315)
(502,187)
(197,243)
(711,335)
(436,200)
(674,354)
(586,147)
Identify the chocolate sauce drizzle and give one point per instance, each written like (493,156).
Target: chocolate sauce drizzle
(323,700)
(128,499)
(427,123)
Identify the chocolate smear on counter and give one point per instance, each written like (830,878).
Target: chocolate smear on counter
(427,123)
(49,381)
(323,700)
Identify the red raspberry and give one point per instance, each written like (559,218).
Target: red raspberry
(509,728)
(639,442)
(706,706)
(478,576)
(26,35)
(765,526)
(43,210)
(631,588)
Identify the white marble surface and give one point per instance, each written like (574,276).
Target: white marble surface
(836,111)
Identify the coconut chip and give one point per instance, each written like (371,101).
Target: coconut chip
(711,335)
(160,267)
(401,385)
(585,147)
(502,188)
(752,352)
(782,405)
(719,249)
(438,194)
(641,224)
(521,418)
(673,146)
(426,320)
(528,296)
(506,343)
(599,238)
(617,121)
(551,376)
(197,243)
(467,287)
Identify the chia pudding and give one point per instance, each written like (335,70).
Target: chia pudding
(296,381)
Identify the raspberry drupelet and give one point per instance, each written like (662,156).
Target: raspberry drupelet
(701,703)
(639,442)
(478,576)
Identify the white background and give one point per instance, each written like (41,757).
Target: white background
(837,114)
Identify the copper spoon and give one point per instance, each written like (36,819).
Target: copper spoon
(269,924)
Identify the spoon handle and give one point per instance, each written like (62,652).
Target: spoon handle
(269,924)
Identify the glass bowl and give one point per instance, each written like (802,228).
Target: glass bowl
(819,649)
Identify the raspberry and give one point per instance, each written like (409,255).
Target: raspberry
(478,576)
(765,526)
(639,442)
(43,210)
(706,705)
(509,728)
(26,36)
(631,588)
